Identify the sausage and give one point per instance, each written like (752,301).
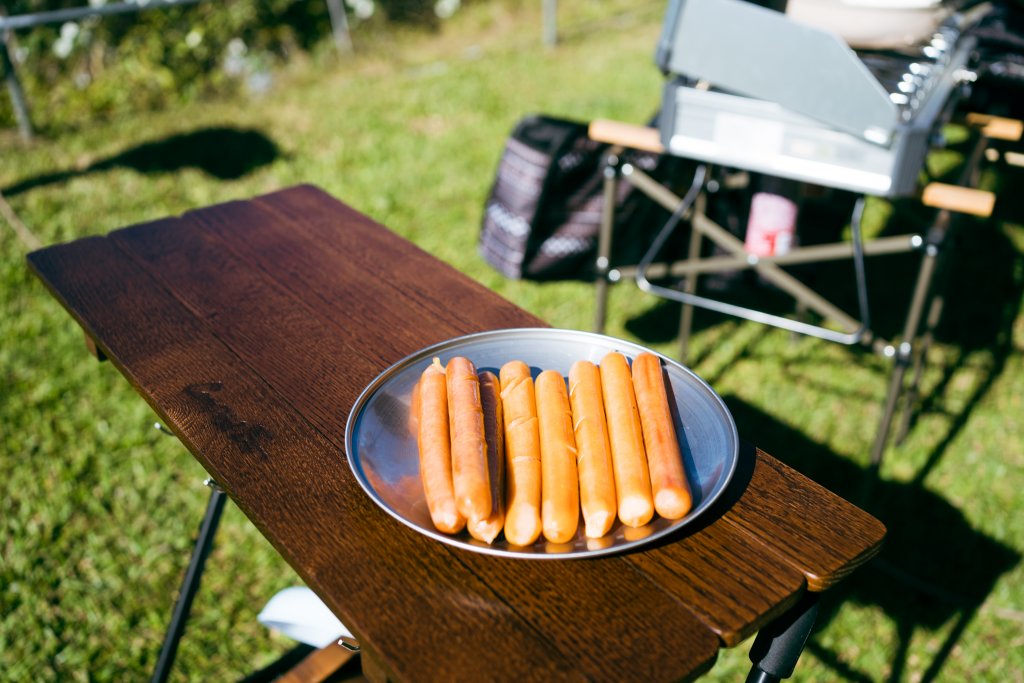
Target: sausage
(488,528)
(672,498)
(593,458)
(469,451)
(435,450)
(629,461)
(560,497)
(522,455)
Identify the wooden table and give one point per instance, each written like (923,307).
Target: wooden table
(251,328)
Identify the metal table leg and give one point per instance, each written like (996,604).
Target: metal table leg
(778,645)
(190,584)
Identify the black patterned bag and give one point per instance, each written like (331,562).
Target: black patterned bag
(543,213)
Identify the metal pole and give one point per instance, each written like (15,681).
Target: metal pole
(74,13)
(905,351)
(18,101)
(550,12)
(604,243)
(189,586)
(778,645)
(339,26)
(690,285)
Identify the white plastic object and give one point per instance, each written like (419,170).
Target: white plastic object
(299,614)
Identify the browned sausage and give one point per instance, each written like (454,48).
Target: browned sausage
(435,450)
(632,478)
(668,481)
(469,450)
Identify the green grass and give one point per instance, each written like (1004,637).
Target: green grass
(99,508)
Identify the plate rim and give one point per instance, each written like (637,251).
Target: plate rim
(370,390)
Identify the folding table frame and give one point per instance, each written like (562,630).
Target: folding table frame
(926,302)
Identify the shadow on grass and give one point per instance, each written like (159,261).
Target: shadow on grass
(933,567)
(224,153)
(981,286)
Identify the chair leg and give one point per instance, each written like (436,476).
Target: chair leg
(920,359)
(690,284)
(903,354)
(190,584)
(778,645)
(604,244)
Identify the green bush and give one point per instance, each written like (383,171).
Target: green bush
(77,71)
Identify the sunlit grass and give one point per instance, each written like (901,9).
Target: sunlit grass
(100,508)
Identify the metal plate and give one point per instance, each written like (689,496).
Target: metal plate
(383,454)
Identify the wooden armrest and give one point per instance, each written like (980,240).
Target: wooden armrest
(318,665)
(997,127)
(959,199)
(626,134)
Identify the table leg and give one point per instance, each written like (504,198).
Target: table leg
(189,586)
(373,670)
(778,645)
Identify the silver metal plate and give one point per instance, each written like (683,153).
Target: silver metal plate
(382,449)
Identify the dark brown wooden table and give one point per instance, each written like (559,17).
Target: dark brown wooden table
(251,328)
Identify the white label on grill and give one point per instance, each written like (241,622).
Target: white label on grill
(748,134)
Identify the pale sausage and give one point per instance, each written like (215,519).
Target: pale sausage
(522,455)
(594,460)
(560,500)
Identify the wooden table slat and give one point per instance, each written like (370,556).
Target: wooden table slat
(733,583)
(820,533)
(325,395)
(387,583)
(404,268)
(252,327)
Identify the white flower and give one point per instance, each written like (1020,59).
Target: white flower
(237,47)
(62,48)
(446,8)
(193,39)
(69,30)
(65,43)
(363,9)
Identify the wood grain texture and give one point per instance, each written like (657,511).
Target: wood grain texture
(731,581)
(234,305)
(252,327)
(816,531)
(385,582)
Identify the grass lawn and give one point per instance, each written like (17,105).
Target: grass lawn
(99,509)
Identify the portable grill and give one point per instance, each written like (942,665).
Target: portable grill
(756,89)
